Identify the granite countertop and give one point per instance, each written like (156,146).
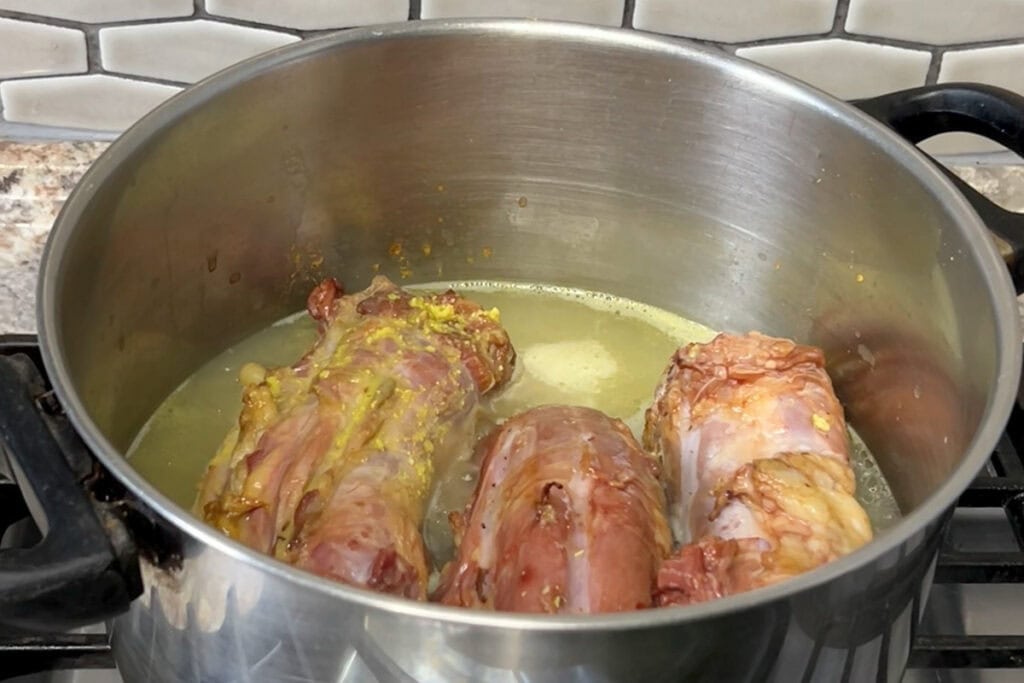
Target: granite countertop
(35,179)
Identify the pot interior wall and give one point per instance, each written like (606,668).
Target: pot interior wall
(656,173)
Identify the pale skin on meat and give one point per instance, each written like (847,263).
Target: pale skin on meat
(567,518)
(333,458)
(756,455)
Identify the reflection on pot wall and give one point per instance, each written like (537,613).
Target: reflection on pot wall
(210,630)
(88,68)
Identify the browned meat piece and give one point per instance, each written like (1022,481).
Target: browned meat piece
(568,517)
(756,453)
(332,460)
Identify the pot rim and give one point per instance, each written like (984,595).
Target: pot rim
(984,255)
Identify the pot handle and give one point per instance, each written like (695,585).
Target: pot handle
(997,114)
(85,569)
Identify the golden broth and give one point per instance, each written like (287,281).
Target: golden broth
(574,347)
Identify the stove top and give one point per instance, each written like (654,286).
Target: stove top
(972,629)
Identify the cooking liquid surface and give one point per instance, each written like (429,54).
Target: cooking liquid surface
(574,347)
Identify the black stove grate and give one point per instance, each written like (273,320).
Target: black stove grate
(1001,486)
(23,655)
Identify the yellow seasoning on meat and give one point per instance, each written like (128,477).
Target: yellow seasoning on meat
(820,422)
(437,312)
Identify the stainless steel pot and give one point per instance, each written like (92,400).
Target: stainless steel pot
(598,158)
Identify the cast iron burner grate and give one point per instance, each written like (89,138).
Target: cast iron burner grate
(1000,486)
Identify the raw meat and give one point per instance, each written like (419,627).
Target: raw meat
(567,517)
(756,456)
(333,458)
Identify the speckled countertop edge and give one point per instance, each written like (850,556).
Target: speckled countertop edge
(36,178)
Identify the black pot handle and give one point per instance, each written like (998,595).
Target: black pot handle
(997,114)
(85,569)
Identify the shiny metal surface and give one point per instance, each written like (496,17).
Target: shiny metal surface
(573,155)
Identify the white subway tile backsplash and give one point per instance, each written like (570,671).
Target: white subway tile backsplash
(30,49)
(845,68)
(939,22)
(183,50)
(606,12)
(880,45)
(959,143)
(102,10)
(1000,66)
(312,14)
(733,21)
(93,102)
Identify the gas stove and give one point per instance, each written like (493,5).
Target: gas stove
(972,629)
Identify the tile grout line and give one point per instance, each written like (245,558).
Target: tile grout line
(40,19)
(934,67)
(156,80)
(628,9)
(839,20)
(198,13)
(93,58)
(876,40)
(850,37)
(99,70)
